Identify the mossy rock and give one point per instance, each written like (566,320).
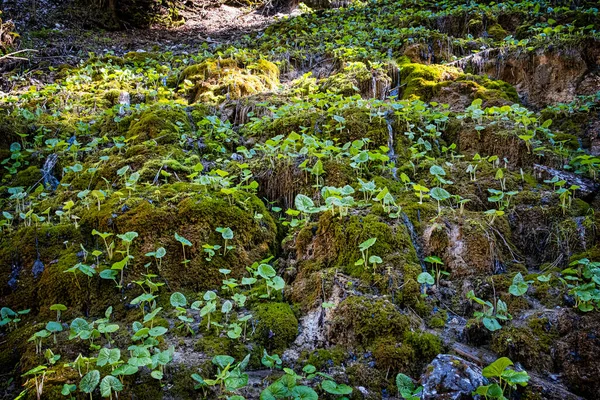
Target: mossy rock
(421,81)
(277,326)
(159,122)
(217,80)
(497,32)
(529,346)
(360,320)
(336,243)
(325,358)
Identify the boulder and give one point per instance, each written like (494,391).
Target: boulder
(451,378)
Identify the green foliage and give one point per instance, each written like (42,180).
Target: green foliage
(491,314)
(505,376)
(406,387)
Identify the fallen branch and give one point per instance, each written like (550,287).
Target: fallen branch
(12,55)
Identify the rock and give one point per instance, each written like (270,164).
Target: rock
(451,377)
(587,187)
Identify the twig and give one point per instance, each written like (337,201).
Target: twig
(11,55)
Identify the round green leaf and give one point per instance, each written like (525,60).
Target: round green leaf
(90,381)
(178,300)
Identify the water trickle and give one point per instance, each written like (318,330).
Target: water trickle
(390,143)
(124,102)
(414,238)
(581,231)
(188,112)
(13,278)
(50,182)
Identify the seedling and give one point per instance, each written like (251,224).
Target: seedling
(109,247)
(490,314)
(506,377)
(227,234)
(407,389)
(184,242)
(437,264)
(58,308)
(364,251)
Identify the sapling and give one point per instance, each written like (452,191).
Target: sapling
(184,242)
(364,251)
(54,327)
(211,306)
(425,279)
(89,382)
(505,376)
(39,376)
(38,338)
(58,308)
(210,250)
(226,309)
(437,264)
(439,194)
(127,238)
(109,247)
(158,255)
(227,234)
(83,268)
(421,191)
(407,389)
(493,213)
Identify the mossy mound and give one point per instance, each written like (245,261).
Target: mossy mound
(336,243)
(277,326)
(356,78)
(164,124)
(422,81)
(217,80)
(360,320)
(451,85)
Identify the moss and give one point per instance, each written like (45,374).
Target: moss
(27,177)
(422,81)
(356,78)
(213,346)
(372,379)
(325,358)
(336,243)
(529,345)
(438,320)
(195,218)
(277,326)
(360,320)
(217,80)
(165,124)
(391,355)
(497,32)
(410,295)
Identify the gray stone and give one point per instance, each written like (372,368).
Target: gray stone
(451,377)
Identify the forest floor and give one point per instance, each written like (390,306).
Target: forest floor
(377,197)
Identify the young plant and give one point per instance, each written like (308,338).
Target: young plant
(38,375)
(439,194)
(109,247)
(272,281)
(490,314)
(364,251)
(184,242)
(226,234)
(421,192)
(58,308)
(519,285)
(407,389)
(437,265)
(504,376)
